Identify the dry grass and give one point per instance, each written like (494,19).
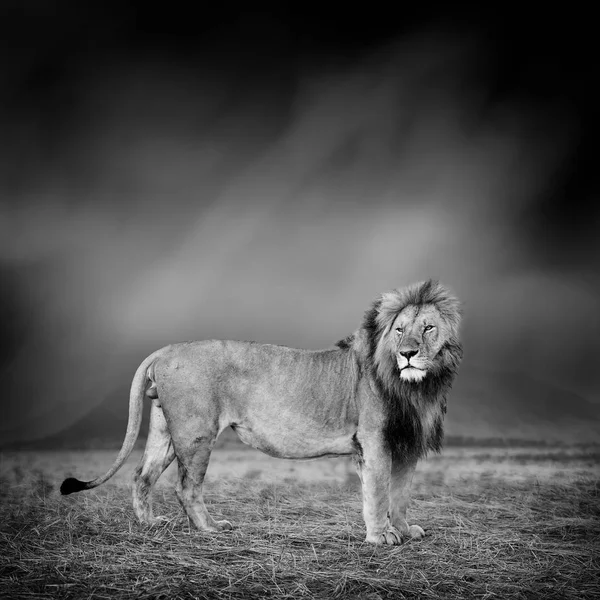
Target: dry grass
(487,538)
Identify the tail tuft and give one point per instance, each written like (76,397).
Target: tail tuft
(71,485)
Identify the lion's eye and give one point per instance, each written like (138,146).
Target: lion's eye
(429,328)
(399,330)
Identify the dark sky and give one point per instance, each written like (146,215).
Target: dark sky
(264,175)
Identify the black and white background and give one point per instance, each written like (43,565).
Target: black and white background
(169,174)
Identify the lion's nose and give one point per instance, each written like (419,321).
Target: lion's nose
(408,354)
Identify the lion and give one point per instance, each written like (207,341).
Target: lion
(378,396)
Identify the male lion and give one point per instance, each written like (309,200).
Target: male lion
(379,396)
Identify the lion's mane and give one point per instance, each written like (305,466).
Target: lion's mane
(408,402)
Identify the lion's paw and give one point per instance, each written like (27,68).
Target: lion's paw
(390,537)
(160,519)
(154,521)
(224,525)
(415,532)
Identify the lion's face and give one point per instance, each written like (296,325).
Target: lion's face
(416,337)
(412,338)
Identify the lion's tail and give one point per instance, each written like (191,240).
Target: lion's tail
(136,401)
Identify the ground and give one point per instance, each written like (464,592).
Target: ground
(501,522)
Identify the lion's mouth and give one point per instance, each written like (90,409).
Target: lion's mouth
(412,373)
(409,365)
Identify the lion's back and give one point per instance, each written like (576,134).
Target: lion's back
(254,376)
(229,360)
(215,352)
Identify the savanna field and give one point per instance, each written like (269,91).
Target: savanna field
(501,523)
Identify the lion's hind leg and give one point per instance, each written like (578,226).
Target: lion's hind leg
(193,462)
(158,455)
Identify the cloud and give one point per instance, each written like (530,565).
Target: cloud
(173,212)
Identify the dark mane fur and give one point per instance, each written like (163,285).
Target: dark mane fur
(406,401)
(346,343)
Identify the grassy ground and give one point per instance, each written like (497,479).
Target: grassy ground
(508,523)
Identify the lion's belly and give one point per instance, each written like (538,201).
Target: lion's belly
(292,444)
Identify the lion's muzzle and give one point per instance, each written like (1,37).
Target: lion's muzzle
(409,365)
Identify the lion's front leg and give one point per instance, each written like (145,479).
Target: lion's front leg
(374,469)
(402,475)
